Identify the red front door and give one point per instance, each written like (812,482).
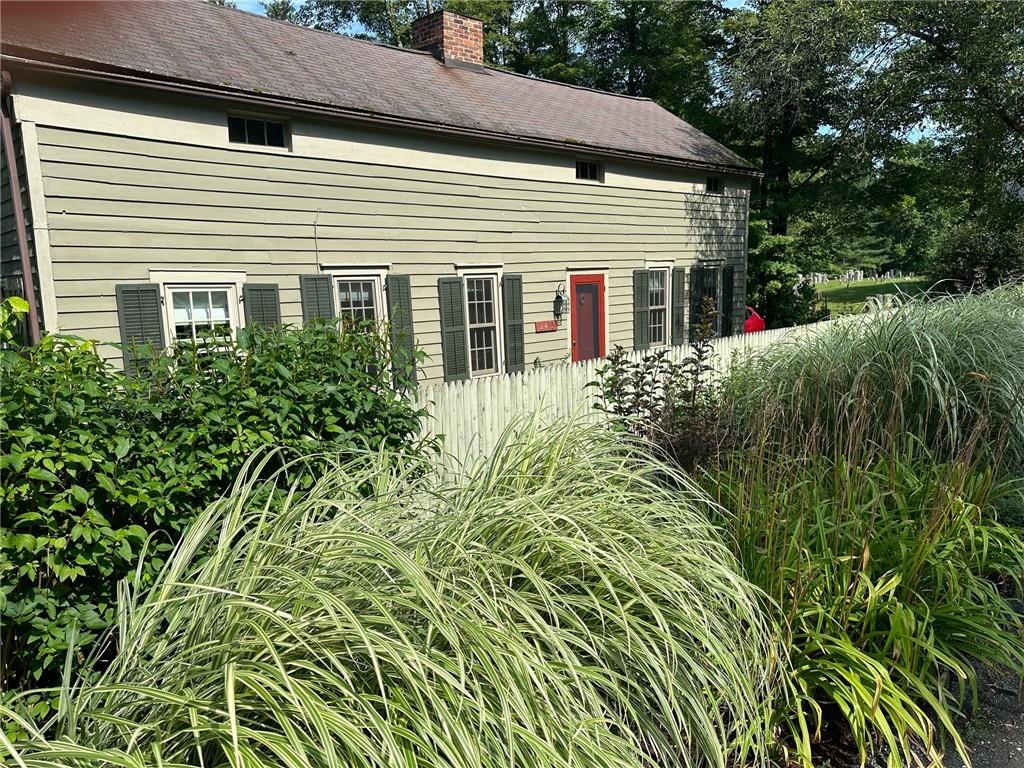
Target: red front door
(586,298)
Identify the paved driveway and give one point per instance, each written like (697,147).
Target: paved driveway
(996,737)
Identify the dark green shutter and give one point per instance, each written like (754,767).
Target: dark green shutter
(641,309)
(317,301)
(262,304)
(728,276)
(139,315)
(678,306)
(512,307)
(696,299)
(454,349)
(403,340)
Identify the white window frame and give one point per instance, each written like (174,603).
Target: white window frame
(594,161)
(666,267)
(375,275)
(170,282)
(265,117)
(497,274)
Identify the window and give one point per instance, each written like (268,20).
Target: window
(249,130)
(482,314)
(713,185)
(658,283)
(359,297)
(202,311)
(588,170)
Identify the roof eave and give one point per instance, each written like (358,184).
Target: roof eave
(371,118)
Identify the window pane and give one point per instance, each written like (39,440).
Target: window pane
(183,331)
(658,326)
(480,300)
(182,306)
(254,132)
(275,134)
(219,306)
(658,280)
(236,129)
(201,306)
(482,352)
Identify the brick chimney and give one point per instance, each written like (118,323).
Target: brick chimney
(450,37)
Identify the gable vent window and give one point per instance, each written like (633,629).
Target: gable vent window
(713,185)
(588,170)
(262,133)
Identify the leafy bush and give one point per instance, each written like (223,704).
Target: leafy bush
(556,606)
(887,572)
(100,467)
(950,372)
(675,406)
(776,290)
(979,254)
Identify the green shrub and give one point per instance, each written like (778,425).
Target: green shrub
(981,253)
(99,467)
(674,406)
(556,606)
(949,371)
(887,575)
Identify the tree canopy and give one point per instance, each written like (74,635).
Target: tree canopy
(890,133)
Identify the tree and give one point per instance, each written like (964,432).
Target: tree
(795,78)
(386,21)
(283,10)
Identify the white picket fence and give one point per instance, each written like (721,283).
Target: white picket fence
(472,415)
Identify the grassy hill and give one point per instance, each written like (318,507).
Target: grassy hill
(848,298)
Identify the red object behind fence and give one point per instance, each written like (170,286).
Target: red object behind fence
(754,321)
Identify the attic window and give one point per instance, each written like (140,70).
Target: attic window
(249,130)
(713,185)
(588,170)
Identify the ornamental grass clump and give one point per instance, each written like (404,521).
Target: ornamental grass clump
(948,371)
(894,584)
(862,501)
(559,605)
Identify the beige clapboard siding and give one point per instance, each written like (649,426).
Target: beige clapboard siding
(229,180)
(410,217)
(93,148)
(119,207)
(312,197)
(202,161)
(348,226)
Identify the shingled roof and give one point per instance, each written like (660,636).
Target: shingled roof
(208,48)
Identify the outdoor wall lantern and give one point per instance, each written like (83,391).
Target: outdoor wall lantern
(559,303)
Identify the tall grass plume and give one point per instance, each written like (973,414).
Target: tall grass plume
(557,605)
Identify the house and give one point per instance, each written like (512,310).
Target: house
(184,165)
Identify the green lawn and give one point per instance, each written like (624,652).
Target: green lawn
(848,298)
